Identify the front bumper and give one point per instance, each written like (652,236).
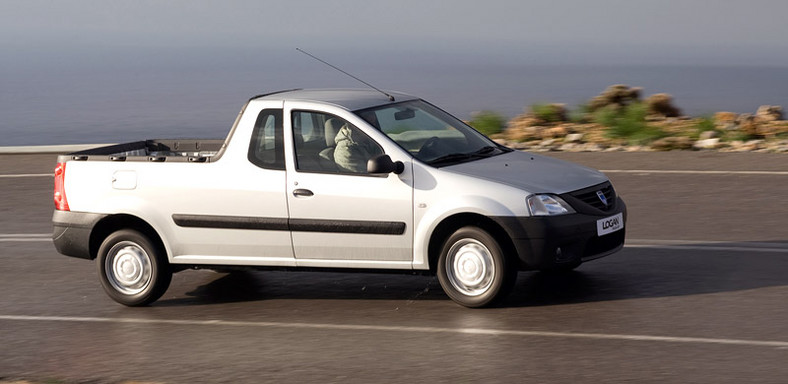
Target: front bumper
(72,232)
(547,242)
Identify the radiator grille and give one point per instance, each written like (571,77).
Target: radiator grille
(591,196)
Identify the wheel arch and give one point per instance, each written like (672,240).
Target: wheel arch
(454,222)
(112,223)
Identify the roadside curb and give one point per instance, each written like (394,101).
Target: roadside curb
(68,148)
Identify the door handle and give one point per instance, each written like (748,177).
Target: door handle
(302,193)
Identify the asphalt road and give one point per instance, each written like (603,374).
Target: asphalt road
(698,295)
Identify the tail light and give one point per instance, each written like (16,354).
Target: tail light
(61,204)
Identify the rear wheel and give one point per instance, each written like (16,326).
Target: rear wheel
(132,269)
(473,270)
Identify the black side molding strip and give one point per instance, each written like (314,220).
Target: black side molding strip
(295,225)
(231,222)
(347,226)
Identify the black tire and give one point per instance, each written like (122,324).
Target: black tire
(132,269)
(473,269)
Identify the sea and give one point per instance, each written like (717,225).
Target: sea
(106,101)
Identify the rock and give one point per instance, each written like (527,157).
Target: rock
(521,146)
(753,145)
(523,133)
(769,113)
(568,147)
(748,146)
(661,104)
(707,144)
(780,146)
(521,121)
(725,117)
(671,143)
(736,145)
(725,120)
(574,138)
(554,132)
(705,135)
(547,143)
(618,95)
(771,129)
(591,147)
(748,124)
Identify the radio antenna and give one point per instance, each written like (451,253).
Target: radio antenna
(391,98)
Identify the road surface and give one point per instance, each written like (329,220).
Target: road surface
(698,295)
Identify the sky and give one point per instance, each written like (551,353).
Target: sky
(112,71)
(721,32)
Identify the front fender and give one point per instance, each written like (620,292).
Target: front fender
(433,216)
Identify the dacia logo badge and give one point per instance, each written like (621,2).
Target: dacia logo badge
(602,197)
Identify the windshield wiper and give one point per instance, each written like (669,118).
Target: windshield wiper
(451,158)
(484,150)
(460,157)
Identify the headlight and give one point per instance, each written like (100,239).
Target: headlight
(548,205)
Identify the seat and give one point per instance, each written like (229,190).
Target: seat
(330,131)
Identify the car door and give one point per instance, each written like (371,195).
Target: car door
(340,215)
(234,210)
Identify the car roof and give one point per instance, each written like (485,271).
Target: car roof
(350,99)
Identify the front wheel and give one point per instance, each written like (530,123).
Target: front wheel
(473,270)
(132,269)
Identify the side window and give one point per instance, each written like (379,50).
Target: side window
(305,125)
(266,149)
(328,144)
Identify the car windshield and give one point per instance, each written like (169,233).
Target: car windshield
(430,134)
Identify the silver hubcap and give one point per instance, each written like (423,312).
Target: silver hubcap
(128,268)
(470,267)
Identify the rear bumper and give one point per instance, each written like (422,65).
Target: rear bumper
(556,241)
(72,232)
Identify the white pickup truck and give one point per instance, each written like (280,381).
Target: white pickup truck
(337,179)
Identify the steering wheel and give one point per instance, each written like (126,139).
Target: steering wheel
(429,147)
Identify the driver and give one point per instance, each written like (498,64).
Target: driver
(353,149)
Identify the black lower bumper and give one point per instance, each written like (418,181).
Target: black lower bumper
(555,241)
(72,232)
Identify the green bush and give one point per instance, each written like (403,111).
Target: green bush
(550,113)
(738,136)
(580,115)
(704,124)
(627,122)
(488,122)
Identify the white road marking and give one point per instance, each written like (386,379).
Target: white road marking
(711,245)
(27,175)
(2,235)
(25,240)
(692,172)
(709,248)
(407,329)
(25,237)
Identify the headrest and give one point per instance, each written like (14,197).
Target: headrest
(332,128)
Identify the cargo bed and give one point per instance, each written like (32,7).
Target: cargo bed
(158,150)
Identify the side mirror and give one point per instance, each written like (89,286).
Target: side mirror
(383,164)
